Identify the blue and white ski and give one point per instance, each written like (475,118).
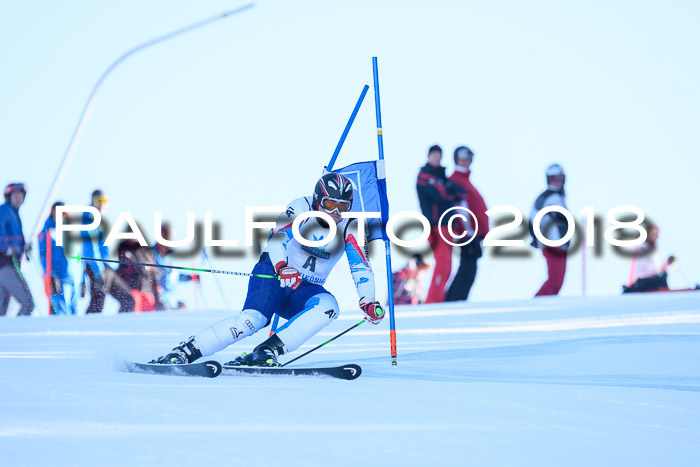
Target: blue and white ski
(347,372)
(209,369)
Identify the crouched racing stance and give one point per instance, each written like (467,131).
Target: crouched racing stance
(298,296)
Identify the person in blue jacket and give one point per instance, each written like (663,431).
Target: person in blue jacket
(67,281)
(103,279)
(12,247)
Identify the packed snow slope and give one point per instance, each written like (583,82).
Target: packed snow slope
(555,381)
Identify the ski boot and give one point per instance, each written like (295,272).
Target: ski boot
(264,354)
(186,352)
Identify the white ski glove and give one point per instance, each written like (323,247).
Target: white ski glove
(289,277)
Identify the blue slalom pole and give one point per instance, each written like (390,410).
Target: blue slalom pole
(347,129)
(381,175)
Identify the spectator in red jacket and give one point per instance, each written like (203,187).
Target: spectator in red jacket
(436,195)
(470,253)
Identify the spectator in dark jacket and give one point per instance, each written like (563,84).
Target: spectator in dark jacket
(437,194)
(471,252)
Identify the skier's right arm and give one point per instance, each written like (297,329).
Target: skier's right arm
(277,244)
(280,235)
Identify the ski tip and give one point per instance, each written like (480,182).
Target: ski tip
(214,368)
(352,370)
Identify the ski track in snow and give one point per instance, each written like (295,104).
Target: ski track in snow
(555,381)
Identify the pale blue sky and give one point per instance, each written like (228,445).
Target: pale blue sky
(248,110)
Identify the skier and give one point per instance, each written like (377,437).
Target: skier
(437,194)
(298,295)
(553,226)
(12,246)
(471,252)
(66,276)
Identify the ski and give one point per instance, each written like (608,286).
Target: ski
(209,369)
(347,372)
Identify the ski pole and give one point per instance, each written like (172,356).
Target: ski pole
(216,279)
(685,278)
(214,271)
(275,322)
(24,284)
(328,341)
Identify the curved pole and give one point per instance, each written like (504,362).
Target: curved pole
(88,107)
(330,165)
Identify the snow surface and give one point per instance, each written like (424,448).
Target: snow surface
(554,381)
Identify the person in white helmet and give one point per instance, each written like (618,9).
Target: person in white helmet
(554,227)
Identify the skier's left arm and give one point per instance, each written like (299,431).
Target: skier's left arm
(363,276)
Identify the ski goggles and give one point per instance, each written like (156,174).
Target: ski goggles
(99,200)
(556,178)
(330,205)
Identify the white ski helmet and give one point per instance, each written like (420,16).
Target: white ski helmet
(555,170)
